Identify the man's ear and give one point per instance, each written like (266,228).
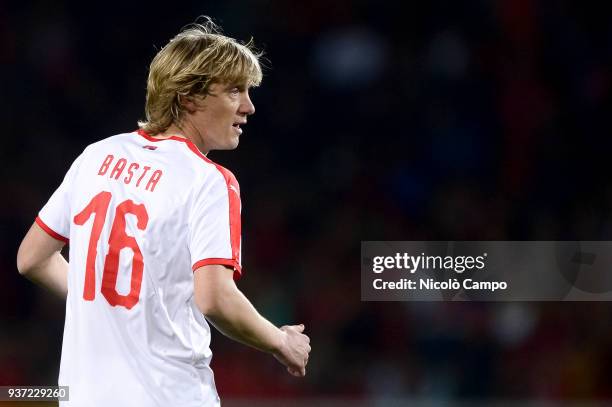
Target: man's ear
(189,103)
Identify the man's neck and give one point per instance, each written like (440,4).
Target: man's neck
(171,131)
(175,131)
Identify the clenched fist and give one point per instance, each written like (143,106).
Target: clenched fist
(294,349)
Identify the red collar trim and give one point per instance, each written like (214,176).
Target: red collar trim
(191,146)
(153,139)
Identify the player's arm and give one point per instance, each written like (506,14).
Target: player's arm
(226,307)
(39,259)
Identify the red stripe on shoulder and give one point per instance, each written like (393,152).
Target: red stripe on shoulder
(233,191)
(224,262)
(50,231)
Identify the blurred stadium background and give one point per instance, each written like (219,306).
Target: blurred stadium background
(485,120)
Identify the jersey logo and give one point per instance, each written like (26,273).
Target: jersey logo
(150,147)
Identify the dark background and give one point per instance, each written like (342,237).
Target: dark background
(429,120)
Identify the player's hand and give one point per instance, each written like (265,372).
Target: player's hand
(294,349)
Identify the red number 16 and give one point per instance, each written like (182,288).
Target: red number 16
(118,240)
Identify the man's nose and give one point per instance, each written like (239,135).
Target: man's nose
(247,107)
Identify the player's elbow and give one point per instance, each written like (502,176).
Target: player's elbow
(216,304)
(28,259)
(210,305)
(25,261)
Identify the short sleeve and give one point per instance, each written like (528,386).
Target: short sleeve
(215,229)
(54,217)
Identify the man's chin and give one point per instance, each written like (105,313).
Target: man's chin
(233,144)
(228,147)
(228,144)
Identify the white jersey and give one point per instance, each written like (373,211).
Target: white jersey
(141,214)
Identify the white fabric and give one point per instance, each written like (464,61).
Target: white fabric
(156,353)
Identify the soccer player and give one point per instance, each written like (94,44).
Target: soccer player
(155,235)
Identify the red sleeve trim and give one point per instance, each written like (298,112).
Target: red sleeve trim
(50,231)
(225,262)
